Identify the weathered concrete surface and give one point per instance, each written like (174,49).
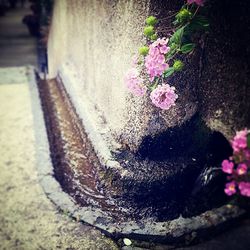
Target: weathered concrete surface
(235,239)
(224,80)
(92,43)
(28,220)
(95,41)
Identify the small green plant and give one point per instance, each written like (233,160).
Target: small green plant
(157,57)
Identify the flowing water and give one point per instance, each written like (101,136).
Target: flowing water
(178,180)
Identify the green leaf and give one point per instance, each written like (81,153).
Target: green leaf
(151,20)
(171,53)
(198,23)
(169,72)
(183,16)
(248,140)
(178,65)
(177,36)
(148,31)
(143,50)
(187,48)
(153,37)
(154,85)
(202,20)
(175,22)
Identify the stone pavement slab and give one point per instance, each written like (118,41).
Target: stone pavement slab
(28,220)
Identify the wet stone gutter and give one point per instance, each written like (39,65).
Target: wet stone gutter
(70,150)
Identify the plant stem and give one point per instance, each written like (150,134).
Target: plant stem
(195,12)
(168,17)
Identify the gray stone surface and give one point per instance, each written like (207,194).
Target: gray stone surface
(28,219)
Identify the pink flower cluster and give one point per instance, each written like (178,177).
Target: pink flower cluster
(240,141)
(244,188)
(198,2)
(135,83)
(164,96)
(238,166)
(155,60)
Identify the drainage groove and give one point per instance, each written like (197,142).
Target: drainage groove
(77,169)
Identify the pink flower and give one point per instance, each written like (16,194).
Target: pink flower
(135,83)
(198,2)
(230,188)
(155,60)
(227,166)
(160,42)
(241,154)
(164,96)
(240,140)
(244,188)
(160,58)
(153,51)
(241,169)
(164,49)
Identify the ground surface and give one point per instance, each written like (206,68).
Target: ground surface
(28,220)
(17,47)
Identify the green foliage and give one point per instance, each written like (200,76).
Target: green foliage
(149,31)
(173,46)
(169,72)
(171,53)
(143,50)
(178,65)
(198,23)
(177,36)
(202,20)
(151,21)
(187,48)
(183,16)
(153,37)
(187,21)
(154,85)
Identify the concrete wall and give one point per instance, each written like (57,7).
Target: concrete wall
(92,42)
(96,40)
